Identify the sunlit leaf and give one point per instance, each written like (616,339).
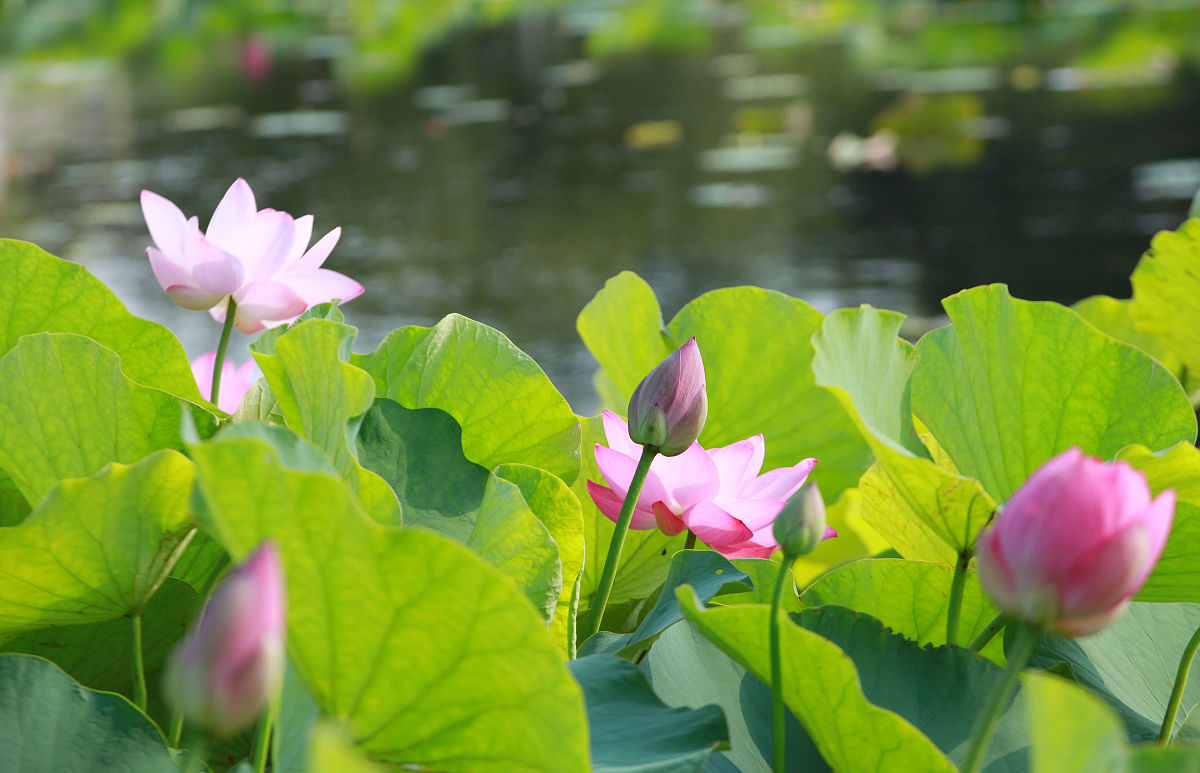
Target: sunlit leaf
(1166,292)
(1071,731)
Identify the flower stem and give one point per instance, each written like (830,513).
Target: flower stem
(1022,647)
(197,748)
(1181,677)
(219,362)
(139,670)
(956,598)
(262,740)
(987,634)
(176,729)
(604,589)
(777,715)
(691,540)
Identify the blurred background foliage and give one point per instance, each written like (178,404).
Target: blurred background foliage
(502,158)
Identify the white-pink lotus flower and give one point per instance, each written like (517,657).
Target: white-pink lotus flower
(235,382)
(718,494)
(255,256)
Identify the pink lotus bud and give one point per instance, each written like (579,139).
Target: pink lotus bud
(668,409)
(1074,543)
(230,663)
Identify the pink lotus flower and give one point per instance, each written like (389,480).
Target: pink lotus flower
(257,257)
(230,663)
(1074,543)
(235,382)
(718,494)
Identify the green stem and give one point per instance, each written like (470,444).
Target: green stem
(691,540)
(956,598)
(176,730)
(262,740)
(219,362)
(139,670)
(987,634)
(604,589)
(777,714)
(1022,647)
(197,747)
(1181,677)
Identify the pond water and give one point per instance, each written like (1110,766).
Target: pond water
(510,175)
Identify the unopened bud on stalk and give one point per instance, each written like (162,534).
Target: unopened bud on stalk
(668,409)
(800,526)
(230,663)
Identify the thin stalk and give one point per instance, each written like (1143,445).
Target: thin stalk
(197,749)
(777,715)
(987,634)
(604,589)
(176,730)
(1181,677)
(139,670)
(956,598)
(262,739)
(219,362)
(691,540)
(1026,636)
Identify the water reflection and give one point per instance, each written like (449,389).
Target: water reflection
(509,176)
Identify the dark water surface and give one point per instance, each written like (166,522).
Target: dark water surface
(511,176)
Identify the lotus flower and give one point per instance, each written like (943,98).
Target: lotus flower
(257,257)
(231,660)
(669,406)
(235,382)
(718,494)
(801,526)
(1074,543)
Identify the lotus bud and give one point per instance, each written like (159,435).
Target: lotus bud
(1073,544)
(668,409)
(230,662)
(800,526)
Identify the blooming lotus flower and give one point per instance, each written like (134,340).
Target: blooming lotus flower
(231,660)
(669,407)
(718,494)
(257,257)
(1074,543)
(235,382)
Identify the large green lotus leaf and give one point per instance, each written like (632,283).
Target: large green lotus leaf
(705,571)
(511,538)
(557,508)
(1115,318)
(52,723)
(1071,731)
(1011,383)
(633,732)
(320,394)
(1166,292)
(910,597)
(1176,576)
(940,690)
(294,726)
(390,628)
(1132,665)
(95,548)
(507,407)
(821,687)
(418,453)
(331,751)
(44,294)
(1156,759)
(757,352)
(758,587)
(99,655)
(66,410)
(687,670)
(925,510)
(646,556)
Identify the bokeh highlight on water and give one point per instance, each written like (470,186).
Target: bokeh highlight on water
(510,172)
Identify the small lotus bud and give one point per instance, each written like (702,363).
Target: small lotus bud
(800,526)
(668,409)
(231,660)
